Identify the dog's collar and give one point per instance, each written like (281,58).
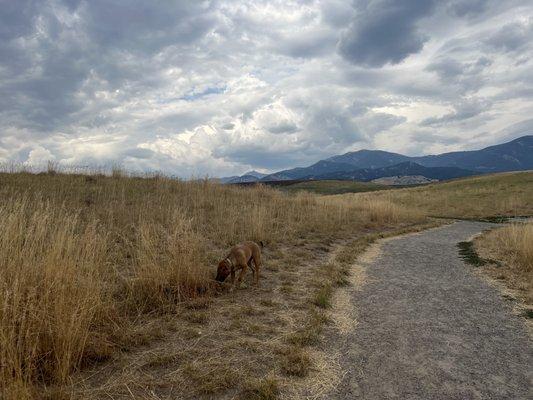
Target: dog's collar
(229,262)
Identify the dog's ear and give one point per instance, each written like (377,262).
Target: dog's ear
(222,271)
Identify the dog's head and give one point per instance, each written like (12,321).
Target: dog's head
(223,270)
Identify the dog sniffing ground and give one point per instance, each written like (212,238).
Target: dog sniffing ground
(249,342)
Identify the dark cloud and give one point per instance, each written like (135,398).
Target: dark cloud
(385,31)
(308,44)
(229,126)
(329,124)
(447,68)
(464,75)
(379,122)
(136,25)
(17,18)
(262,156)
(336,13)
(462,111)
(428,137)
(462,8)
(512,37)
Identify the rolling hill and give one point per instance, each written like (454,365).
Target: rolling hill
(366,165)
(407,168)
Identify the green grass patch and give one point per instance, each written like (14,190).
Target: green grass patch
(469,254)
(322,297)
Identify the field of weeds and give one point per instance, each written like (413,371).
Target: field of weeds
(88,262)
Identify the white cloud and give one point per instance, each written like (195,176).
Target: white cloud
(39,156)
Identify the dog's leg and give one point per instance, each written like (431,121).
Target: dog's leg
(251,265)
(241,274)
(257,264)
(256,271)
(232,276)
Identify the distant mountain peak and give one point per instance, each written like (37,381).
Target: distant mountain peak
(255,173)
(369,158)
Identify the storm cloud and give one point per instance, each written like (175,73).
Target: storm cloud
(385,31)
(220,87)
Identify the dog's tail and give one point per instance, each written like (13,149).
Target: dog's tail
(261,243)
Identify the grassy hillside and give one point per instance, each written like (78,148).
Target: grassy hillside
(505,194)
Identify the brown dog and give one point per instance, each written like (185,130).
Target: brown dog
(240,257)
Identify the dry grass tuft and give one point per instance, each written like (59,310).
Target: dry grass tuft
(511,247)
(261,389)
(295,362)
(322,297)
(166,269)
(51,290)
(517,243)
(210,376)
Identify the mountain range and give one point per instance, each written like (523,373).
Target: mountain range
(367,165)
(250,176)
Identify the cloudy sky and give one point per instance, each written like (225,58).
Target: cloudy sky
(219,87)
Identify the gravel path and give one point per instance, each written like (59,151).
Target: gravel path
(428,328)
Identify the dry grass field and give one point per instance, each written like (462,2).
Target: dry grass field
(88,263)
(510,253)
(106,282)
(485,196)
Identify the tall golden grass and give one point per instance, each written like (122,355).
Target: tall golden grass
(83,256)
(517,240)
(50,286)
(512,245)
(506,194)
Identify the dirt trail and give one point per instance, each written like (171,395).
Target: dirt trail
(429,328)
